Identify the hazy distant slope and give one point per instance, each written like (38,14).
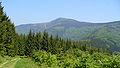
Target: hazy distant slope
(24,29)
(108,36)
(57,24)
(105,35)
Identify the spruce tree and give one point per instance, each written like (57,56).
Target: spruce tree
(38,41)
(7,34)
(45,41)
(29,48)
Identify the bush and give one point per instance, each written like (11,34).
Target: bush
(75,58)
(42,57)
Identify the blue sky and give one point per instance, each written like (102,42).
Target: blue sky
(37,11)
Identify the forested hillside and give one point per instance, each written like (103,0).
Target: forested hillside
(107,36)
(41,50)
(103,35)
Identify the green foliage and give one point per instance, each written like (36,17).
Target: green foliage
(29,48)
(75,58)
(26,63)
(20,45)
(44,58)
(38,41)
(7,34)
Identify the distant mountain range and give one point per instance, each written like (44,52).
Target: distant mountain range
(103,35)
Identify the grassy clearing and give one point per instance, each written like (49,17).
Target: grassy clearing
(10,64)
(4,59)
(17,62)
(25,63)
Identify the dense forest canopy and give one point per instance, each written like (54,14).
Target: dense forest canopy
(50,51)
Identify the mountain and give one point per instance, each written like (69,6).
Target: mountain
(103,35)
(63,22)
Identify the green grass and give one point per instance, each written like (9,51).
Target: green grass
(25,63)
(4,59)
(8,62)
(17,62)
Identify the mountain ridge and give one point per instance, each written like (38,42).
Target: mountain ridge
(106,35)
(55,20)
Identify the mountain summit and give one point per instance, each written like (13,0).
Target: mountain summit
(66,20)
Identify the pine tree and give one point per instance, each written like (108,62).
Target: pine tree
(38,41)
(29,48)
(20,44)
(45,41)
(52,44)
(7,33)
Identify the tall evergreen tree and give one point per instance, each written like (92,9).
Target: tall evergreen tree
(7,33)
(45,41)
(29,48)
(20,44)
(38,41)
